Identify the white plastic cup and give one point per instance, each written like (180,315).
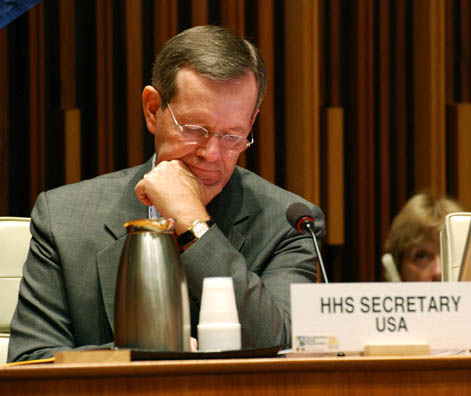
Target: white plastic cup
(219,327)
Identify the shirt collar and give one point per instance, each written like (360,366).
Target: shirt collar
(152,210)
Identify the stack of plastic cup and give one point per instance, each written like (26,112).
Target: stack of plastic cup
(219,327)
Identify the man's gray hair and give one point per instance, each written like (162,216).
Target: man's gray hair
(212,51)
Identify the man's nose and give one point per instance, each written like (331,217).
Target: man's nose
(210,148)
(437,268)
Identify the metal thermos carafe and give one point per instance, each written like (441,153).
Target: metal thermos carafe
(152,305)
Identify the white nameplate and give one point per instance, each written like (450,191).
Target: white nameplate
(346,317)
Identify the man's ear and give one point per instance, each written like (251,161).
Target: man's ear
(254,117)
(150,105)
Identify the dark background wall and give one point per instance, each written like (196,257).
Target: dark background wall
(368,102)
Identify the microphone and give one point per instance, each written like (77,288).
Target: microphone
(301,219)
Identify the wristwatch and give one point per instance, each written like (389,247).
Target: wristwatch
(196,231)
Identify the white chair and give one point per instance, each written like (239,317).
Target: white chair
(452,242)
(14,245)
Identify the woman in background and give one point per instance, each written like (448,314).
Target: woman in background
(413,243)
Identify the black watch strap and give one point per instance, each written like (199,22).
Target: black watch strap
(189,235)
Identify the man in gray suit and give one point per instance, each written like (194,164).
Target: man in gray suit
(205,95)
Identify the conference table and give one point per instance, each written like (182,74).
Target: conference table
(350,375)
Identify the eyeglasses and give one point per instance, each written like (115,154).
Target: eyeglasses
(196,134)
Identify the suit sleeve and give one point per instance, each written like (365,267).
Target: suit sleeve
(41,324)
(272,257)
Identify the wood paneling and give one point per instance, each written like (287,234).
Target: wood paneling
(361,174)
(302,99)
(233,16)
(333,51)
(37,107)
(334,203)
(68,78)
(429,95)
(134,82)
(72,145)
(381,75)
(464,52)
(384,112)
(166,22)
(459,144)
(199,12)
(450,49)
(4,124)
(265,139)
(104,86)
(401,103)
(70,115)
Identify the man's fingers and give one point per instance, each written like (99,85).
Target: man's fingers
(140,190)
(193,345)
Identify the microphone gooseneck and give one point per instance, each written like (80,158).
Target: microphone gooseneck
(301,219)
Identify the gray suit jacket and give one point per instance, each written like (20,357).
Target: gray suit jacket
(66,297)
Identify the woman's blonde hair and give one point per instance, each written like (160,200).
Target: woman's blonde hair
(419,221)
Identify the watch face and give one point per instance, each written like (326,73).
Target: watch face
(199,228)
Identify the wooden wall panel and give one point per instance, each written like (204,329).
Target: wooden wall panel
(233,16)
(450,49)
(134,82)
(302,99)
(4,124)
(104,86)
(334,203)
(68,77)
(199,12)
(429,98)
(37,108)
(313,150)
(333,161)
(464,52)
(334,52)
(362,202)
(379,73)
(459,144)
(69,113)
(72,146)
(166,22)
(265,139)
(401,103)
(384,116)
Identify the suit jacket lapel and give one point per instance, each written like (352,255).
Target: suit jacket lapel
(230,210)
(125,208)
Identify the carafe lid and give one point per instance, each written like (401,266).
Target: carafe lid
(158,224)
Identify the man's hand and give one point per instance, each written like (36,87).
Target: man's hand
(176,193)
(193,344)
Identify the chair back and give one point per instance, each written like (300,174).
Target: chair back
(452,243)
(14,245)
